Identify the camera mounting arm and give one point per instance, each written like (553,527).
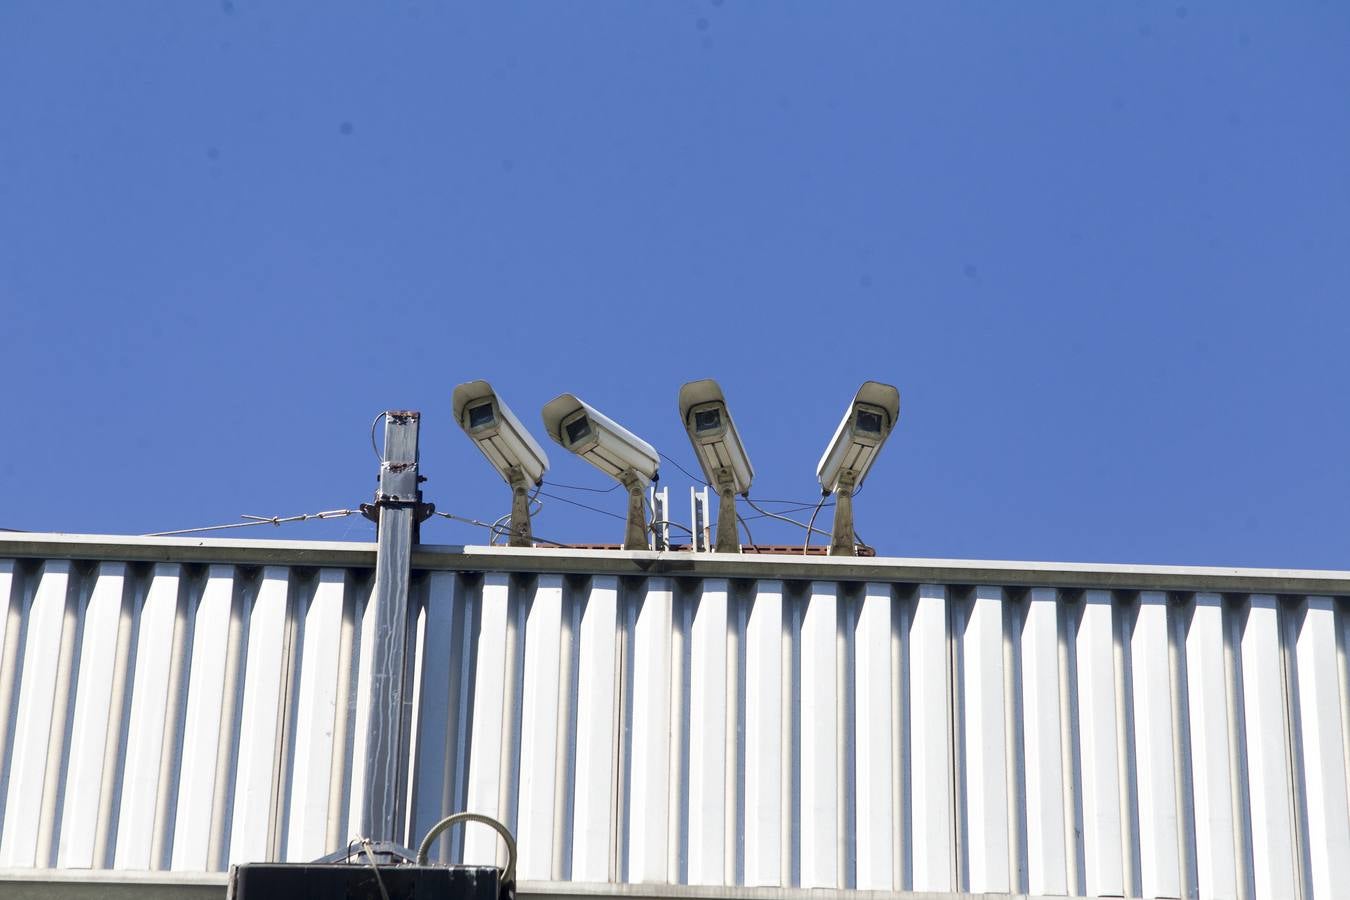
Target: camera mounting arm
(728,540)
(841,536)
(521,535)
(635,530)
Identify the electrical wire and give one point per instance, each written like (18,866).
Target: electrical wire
(809,527)
(803,503)
(493,528)
(261,520)
(749,539)
(498,532)
(683,469)
(370,857)
(490,526)
(603,512)
(764,512)
(373,445)
(669,522)
(576,487)
(791,509)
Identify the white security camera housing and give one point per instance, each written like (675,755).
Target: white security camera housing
(867,423)
(703,409)
(600,441)
(612,449)
(497,432)
(512,450)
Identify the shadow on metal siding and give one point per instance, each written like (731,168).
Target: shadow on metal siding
(669,730)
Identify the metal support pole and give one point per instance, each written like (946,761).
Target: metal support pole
(398,509)
(635,531)
(728,540)
(841,536)
(521,535)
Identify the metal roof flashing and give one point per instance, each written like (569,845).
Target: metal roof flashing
(785,567)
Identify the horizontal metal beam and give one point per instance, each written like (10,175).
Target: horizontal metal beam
(128,548)
(109,884)
(459,558)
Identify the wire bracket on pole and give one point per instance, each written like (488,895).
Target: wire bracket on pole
(399,481)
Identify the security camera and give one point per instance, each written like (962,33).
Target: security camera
(704,411)
(718,446)
(512,450)
(867,423)
(609,447)
(498,433)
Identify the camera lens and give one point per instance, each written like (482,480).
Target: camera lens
(578,429)
(707,420)
(869,422)
(480,415)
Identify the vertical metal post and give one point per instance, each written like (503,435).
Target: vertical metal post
(841,536)
(698,510)
(728,537)
(635,530)
(521,534)
(397,511)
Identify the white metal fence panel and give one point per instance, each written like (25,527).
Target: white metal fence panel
(683,729)
(1048,824)
(171,716)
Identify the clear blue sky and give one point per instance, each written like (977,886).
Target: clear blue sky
(1102,249)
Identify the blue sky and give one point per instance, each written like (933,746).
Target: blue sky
(1102,249)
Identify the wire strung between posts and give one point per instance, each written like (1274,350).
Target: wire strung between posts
(261,520)
(596,509)
(494,529)
(497,530)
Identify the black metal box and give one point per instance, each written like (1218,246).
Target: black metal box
(349,881)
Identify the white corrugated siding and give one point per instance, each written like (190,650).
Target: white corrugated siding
(685,730)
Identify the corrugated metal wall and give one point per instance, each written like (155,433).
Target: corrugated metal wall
(169,716)
(686,730)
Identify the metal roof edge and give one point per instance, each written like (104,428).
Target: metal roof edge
(132,548)
(109,884)
(461,558)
